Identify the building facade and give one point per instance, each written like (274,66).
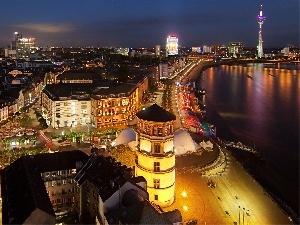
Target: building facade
(66,105)
(235,48)
(88,104)
(115,106)
(172,46)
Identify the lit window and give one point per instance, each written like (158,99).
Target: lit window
(156,183)
(156,166)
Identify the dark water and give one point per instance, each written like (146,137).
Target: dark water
(258,104)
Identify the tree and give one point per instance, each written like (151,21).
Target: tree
(123,154)
(152,84)
(123,74)
(6,143)
(25,120)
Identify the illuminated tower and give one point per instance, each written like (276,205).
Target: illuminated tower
(260,20)
(155,156)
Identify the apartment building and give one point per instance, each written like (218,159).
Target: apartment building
(103,105)
(66,104)
(102,191)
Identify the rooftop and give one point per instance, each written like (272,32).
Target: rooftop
(155,113)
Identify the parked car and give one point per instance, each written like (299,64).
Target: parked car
(65,143)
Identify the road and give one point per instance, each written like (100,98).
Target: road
(235,187)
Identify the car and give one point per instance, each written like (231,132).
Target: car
(65,143)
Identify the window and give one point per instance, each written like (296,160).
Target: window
(156,183)
(159,131)
(156,166)
(57,104)
(156,197)
(156,148)
(155,131)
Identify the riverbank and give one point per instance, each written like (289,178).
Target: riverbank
(281,191)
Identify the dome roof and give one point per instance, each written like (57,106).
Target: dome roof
(183,142)
(155,113)
(127,135)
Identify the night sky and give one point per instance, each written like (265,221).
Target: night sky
(146,23)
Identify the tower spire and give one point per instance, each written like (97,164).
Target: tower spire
(260,19)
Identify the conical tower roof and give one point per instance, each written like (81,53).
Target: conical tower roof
(155,113)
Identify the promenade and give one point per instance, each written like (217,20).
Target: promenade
(236,198)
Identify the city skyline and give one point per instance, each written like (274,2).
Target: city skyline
(146,24)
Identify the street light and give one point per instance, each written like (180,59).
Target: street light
(239,215)
(184,194)
(87,121)
(243,215)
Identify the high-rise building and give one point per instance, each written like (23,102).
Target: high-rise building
(157,50)
(172,45)
(163,69)
(196,49)
(235,48)
(206,49)
(260,19)
(21,47)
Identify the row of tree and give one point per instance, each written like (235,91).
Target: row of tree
(9,156)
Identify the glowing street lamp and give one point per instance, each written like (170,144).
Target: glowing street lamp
(184,194)
(185,208)
(239,215)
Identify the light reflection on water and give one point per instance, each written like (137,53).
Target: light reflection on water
(263,109)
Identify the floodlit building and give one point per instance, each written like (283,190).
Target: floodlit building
(172,46)
(155,155)
(121,51)
(20,47)
(207,49)
(196,49)
(157,50)
(74,103)
(114,106)
(66,105)
(235,48)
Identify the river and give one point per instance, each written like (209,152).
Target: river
(258,104)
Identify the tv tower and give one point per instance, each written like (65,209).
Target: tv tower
(260,20)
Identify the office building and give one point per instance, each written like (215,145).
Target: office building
(172,46)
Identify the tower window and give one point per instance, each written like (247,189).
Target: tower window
(156,197)
(156,148)
(156,183)
(156,166)
(159,131)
